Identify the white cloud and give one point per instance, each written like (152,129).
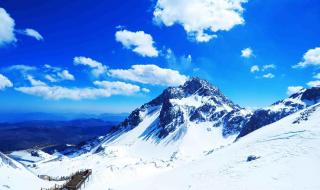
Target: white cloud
(21,68)
(139,42)
(4,82)
(182,63)
(35,82)
(254,68)
(145,90)
(315,83)
(293,89)
(65,75)
(97,68)
(268,75)
(120,27)
(118,87)
(51,73)
(200,18)
(7,29)
(317,76)
(103,89)
(202,37)
(150,74)
(7,24)
(246,53)
(56,74)
(311,57)
(52,68)
(173,59)
(266,67)
(50,78)
(33,33)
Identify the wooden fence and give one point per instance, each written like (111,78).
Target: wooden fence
(74,182)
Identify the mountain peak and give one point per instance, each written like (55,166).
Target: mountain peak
(193,86)
(193,102)
(196,84)
(309,94)
(196,81)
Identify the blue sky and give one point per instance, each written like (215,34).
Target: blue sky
(113,56)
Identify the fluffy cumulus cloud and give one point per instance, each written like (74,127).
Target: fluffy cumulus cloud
(315,83)
(33,33)
(4,82)
(262,69)
(246,53)
(140,42)
(57,74)
(254,68)
(50,73)
(97,68)
(65,75)
(293,89)
(35,82)
(118,87)
(201,19)
(268,76)
(50,78)
(149,74)
(101,89)
(311,57)
(6,28)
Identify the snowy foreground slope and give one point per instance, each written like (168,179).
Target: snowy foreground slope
(14,175)
(289,152)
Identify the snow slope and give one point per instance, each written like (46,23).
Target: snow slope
(289,157)
(131,155)
(15,176)
(28,157)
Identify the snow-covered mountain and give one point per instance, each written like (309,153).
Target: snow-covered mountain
(197,103)
(262,117)
(173,114)
(185,139)
(195,110)
(284,155)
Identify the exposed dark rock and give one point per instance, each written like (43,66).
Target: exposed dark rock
(252,157)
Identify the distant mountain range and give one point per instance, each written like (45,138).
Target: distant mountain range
(7,117)
(44,134)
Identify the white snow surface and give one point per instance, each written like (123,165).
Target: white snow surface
(198,101)
(25,157)
(288,154)
(288,159)
(14,176)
